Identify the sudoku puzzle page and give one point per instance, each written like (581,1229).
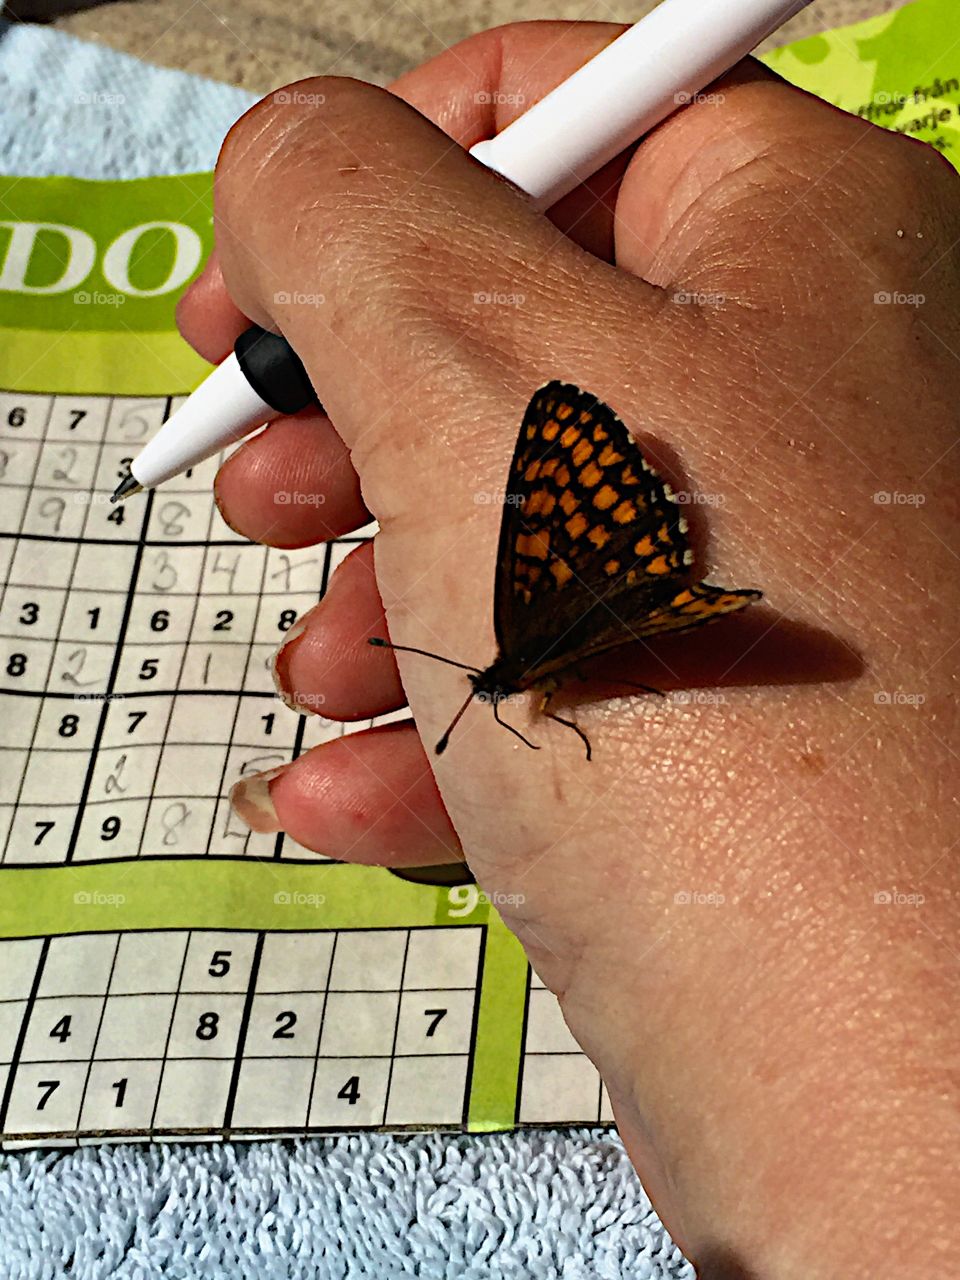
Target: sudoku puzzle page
(136,644)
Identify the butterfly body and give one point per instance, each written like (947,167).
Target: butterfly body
(593,551)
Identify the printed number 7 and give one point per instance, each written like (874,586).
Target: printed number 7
(437,1015)
(50,1086)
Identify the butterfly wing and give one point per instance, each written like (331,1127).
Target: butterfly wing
(593,549)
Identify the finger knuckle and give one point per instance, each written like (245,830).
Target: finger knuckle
(311,122)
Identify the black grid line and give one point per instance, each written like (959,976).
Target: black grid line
(238,1060)
(22,1035)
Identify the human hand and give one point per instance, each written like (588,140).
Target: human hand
(750,1045)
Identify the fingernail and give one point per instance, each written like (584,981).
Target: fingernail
(219,504)
(251,800)
(286,695)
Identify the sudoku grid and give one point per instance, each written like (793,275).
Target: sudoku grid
(207,1033)
(136,644)
(136,648)
(557,1078)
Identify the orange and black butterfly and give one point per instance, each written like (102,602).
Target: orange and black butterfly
(593,554)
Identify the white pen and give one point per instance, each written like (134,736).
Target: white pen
(643,76)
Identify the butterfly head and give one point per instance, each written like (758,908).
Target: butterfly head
(495,685)
(492,686)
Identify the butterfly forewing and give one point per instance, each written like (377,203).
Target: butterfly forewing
(593,549)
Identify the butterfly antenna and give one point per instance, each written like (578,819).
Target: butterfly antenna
(442,744)
(379,643)
(516,732)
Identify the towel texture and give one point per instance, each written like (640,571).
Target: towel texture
(525,1206)
(79,108)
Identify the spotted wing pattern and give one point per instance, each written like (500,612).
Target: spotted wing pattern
(593,549)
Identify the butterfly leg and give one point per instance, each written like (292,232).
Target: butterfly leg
(644,688)
(516,732)
(631,684)
(548,693)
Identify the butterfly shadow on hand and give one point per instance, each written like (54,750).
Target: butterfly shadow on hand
(753,648)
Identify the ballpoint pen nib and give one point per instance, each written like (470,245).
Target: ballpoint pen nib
(125,488)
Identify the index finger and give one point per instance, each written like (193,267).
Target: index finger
(476,88)
(471,91)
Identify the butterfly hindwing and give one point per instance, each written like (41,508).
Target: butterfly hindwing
(593,549)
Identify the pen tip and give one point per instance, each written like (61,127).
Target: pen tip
(125,489)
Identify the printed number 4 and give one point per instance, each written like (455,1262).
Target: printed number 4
(350,1091)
